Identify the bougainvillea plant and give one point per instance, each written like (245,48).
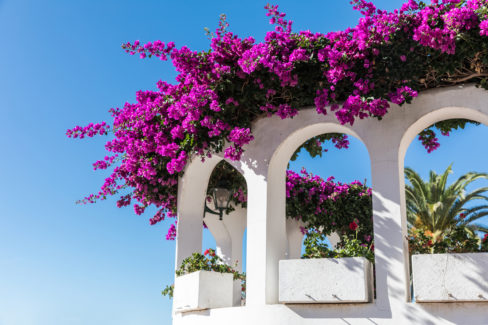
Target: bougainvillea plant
(329,206)
(320,204)
(388,57)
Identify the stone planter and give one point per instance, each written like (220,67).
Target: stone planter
(450,277)
(326,280)
(203,290)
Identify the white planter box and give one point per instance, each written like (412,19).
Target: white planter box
(202,290)
(326,280)
(450,277)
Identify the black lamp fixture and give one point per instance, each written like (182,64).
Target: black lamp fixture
(221,197)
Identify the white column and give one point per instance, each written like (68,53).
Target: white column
(223,240)
(235,224)
(295,237)
(266,231)
(188,232)
(228,234)
(192,187)
(256,263)
(391,250)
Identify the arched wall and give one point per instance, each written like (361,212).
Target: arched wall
(192,189)
(228,233)
(277,198)
(263,165)
(438,115)
(478,112)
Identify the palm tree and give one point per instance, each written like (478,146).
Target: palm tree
(438,207)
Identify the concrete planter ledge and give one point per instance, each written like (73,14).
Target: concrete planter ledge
(203,290)
(325,280)
(450,277)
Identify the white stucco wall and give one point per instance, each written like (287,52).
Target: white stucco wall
(264,164)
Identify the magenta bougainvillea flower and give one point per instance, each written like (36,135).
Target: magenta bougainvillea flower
(355,73)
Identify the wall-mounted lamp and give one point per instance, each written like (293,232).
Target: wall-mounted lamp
(221,197)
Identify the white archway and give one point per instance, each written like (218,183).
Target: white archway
(263,165)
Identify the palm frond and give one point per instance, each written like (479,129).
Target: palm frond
(437,206)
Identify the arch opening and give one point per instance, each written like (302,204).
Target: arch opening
(225,230)
(438,218)
(327,200)
(329,193)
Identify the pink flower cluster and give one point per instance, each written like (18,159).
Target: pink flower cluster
(429,140)
(105,163)
(240,196)
(403,94)
(158,134)
(341,142)
(158,49)
(316,190)
(90,130)
(171,235)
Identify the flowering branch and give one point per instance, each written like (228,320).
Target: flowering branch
(388,57)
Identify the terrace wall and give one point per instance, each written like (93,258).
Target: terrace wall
(264,164)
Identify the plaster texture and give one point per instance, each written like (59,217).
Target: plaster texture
(450,277)
(325,280)
(202,290)
(263,165)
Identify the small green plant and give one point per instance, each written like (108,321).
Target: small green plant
(350,246)
(208,261)
(458,239)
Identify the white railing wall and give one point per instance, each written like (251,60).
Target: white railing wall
(263,165)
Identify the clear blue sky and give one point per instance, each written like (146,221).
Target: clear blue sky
(61,65)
